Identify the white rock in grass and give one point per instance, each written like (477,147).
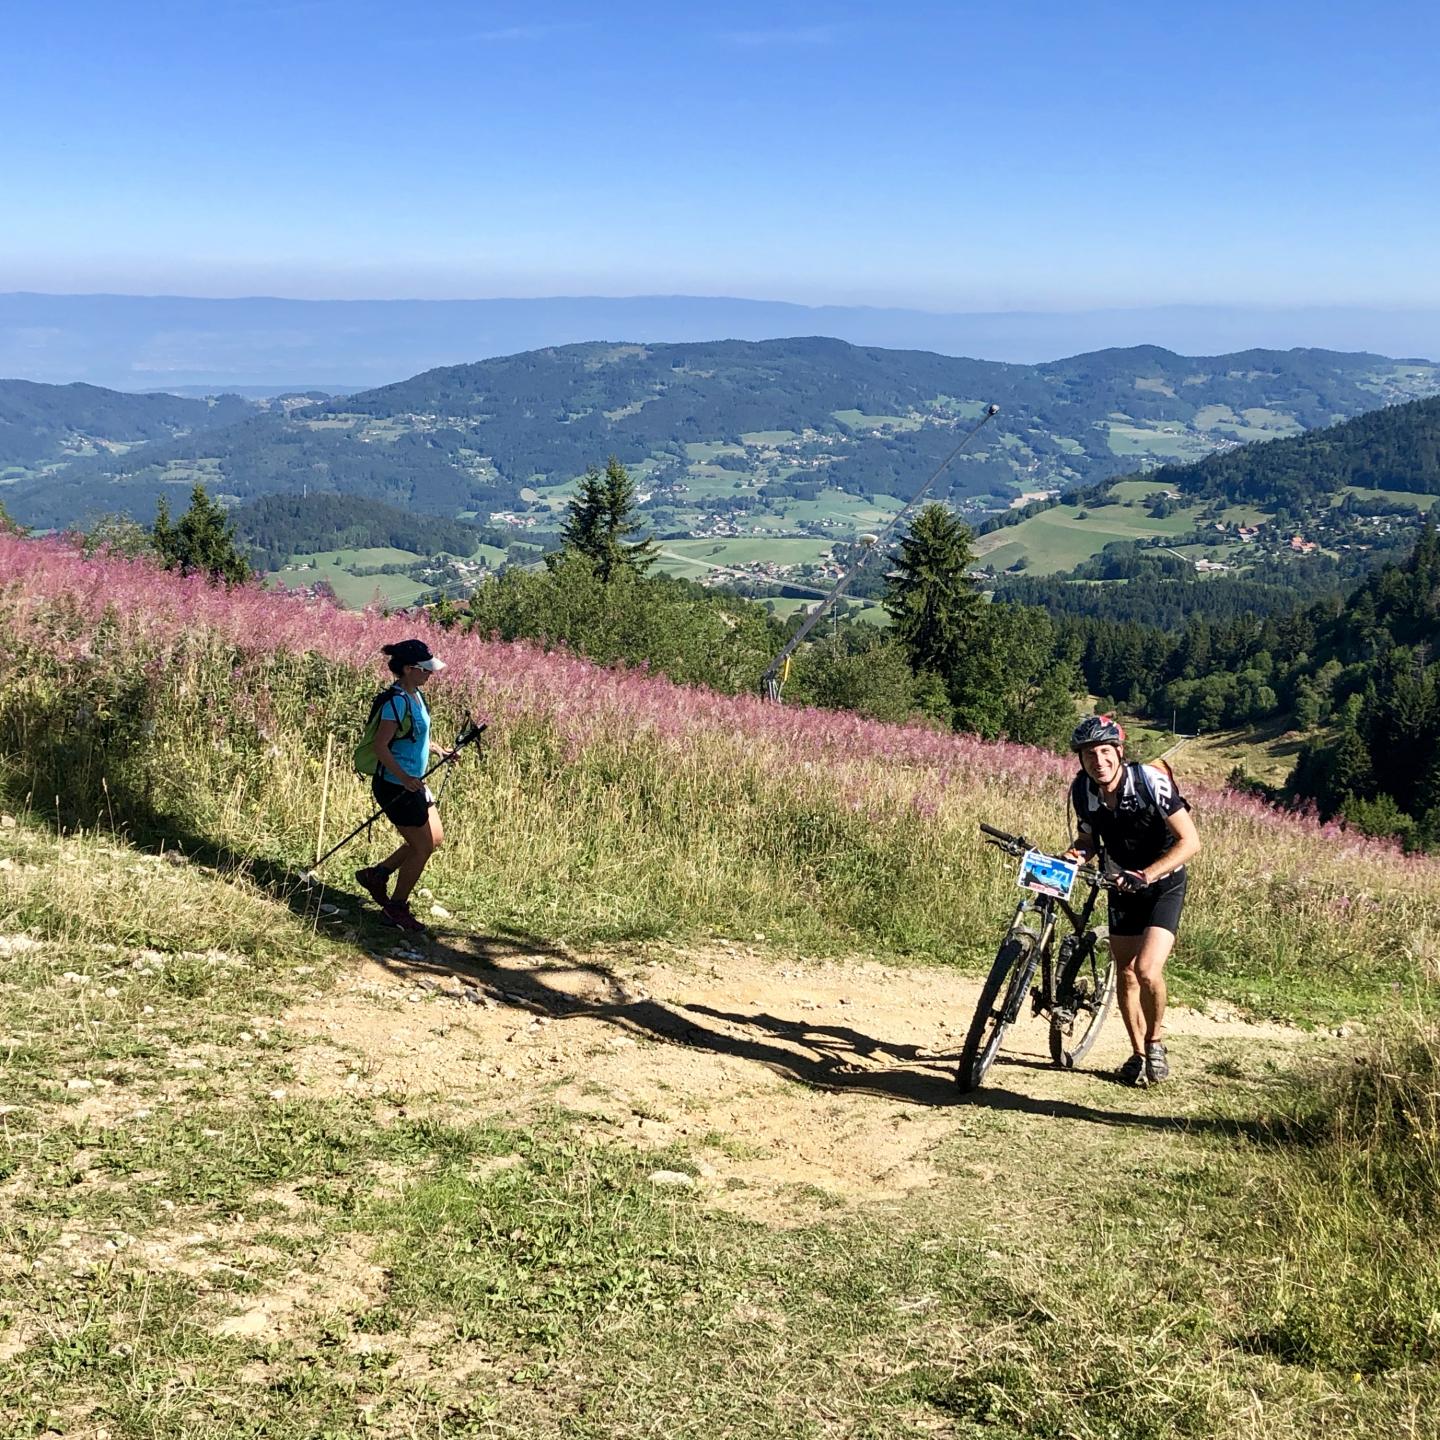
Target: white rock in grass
(17,945)
(439,912)
(7,822)
(76,1083)
(676,1178)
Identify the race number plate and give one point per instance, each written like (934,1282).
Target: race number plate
(1048,875)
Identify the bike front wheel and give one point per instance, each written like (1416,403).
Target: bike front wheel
(1087,992)
(997,1008)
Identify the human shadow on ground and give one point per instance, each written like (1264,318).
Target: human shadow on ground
(1003,1101)
(826,1058)
(510,967)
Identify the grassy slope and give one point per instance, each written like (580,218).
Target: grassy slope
(209,1241)
(459,1267)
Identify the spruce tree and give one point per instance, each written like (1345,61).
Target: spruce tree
(201,542)
(601,519)
(928,597)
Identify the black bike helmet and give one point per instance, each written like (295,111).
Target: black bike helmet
(1097,730)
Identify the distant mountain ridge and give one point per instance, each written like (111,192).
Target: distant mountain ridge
(728,418)
(42,424)
(133,342)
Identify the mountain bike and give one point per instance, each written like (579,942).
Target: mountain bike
(1077,976)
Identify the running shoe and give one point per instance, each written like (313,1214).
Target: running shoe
(399,914)
(1133,1072)
(1157,1067)
(376,883)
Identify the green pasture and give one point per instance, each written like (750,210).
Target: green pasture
(337,567)
(961,409)
(1059,540)
(859,420)
(1244,515)
(366,555)
(748,550)
(682,567)
(838,506)
(1174,442)
(355,591)
(702,450)
(784,606)
(1408,382)
(705,482)
(1154,385)
(1141,489)
(1420,501)
(1255,423)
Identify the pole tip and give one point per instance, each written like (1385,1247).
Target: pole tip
(993,410)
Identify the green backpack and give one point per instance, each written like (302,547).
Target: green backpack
(366,762)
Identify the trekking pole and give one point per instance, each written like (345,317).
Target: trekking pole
(470,732)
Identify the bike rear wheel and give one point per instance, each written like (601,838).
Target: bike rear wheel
(997,1008)
(1086,994)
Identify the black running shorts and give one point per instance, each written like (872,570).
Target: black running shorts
(406,809)
(1160,905)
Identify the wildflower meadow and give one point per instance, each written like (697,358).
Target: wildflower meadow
(270,1173)
(611,803)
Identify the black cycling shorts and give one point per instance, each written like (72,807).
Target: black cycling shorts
(1159,905)
(405,809)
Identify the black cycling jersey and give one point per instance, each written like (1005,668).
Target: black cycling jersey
(1134,834)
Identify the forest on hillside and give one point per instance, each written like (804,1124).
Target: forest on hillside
(1396,448)
(863,421)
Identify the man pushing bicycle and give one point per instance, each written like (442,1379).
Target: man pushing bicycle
(1137,817)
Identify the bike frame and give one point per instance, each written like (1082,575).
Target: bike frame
(1045,907)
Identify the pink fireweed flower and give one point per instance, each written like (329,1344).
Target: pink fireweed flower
(585,703)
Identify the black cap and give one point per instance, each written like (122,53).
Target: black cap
(413,652)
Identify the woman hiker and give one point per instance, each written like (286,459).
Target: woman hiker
(403,747)
(1140,820)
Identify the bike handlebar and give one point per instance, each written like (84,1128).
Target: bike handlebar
(1018,845)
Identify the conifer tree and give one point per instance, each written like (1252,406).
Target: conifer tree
(928,597)
(201,542)
(601,519)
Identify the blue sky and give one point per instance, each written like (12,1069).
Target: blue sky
(948,156)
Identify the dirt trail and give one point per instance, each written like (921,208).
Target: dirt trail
(798,1084)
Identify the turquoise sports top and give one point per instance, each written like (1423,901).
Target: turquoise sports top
(411,751)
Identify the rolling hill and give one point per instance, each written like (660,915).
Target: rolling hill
(47,425)
(729,436)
